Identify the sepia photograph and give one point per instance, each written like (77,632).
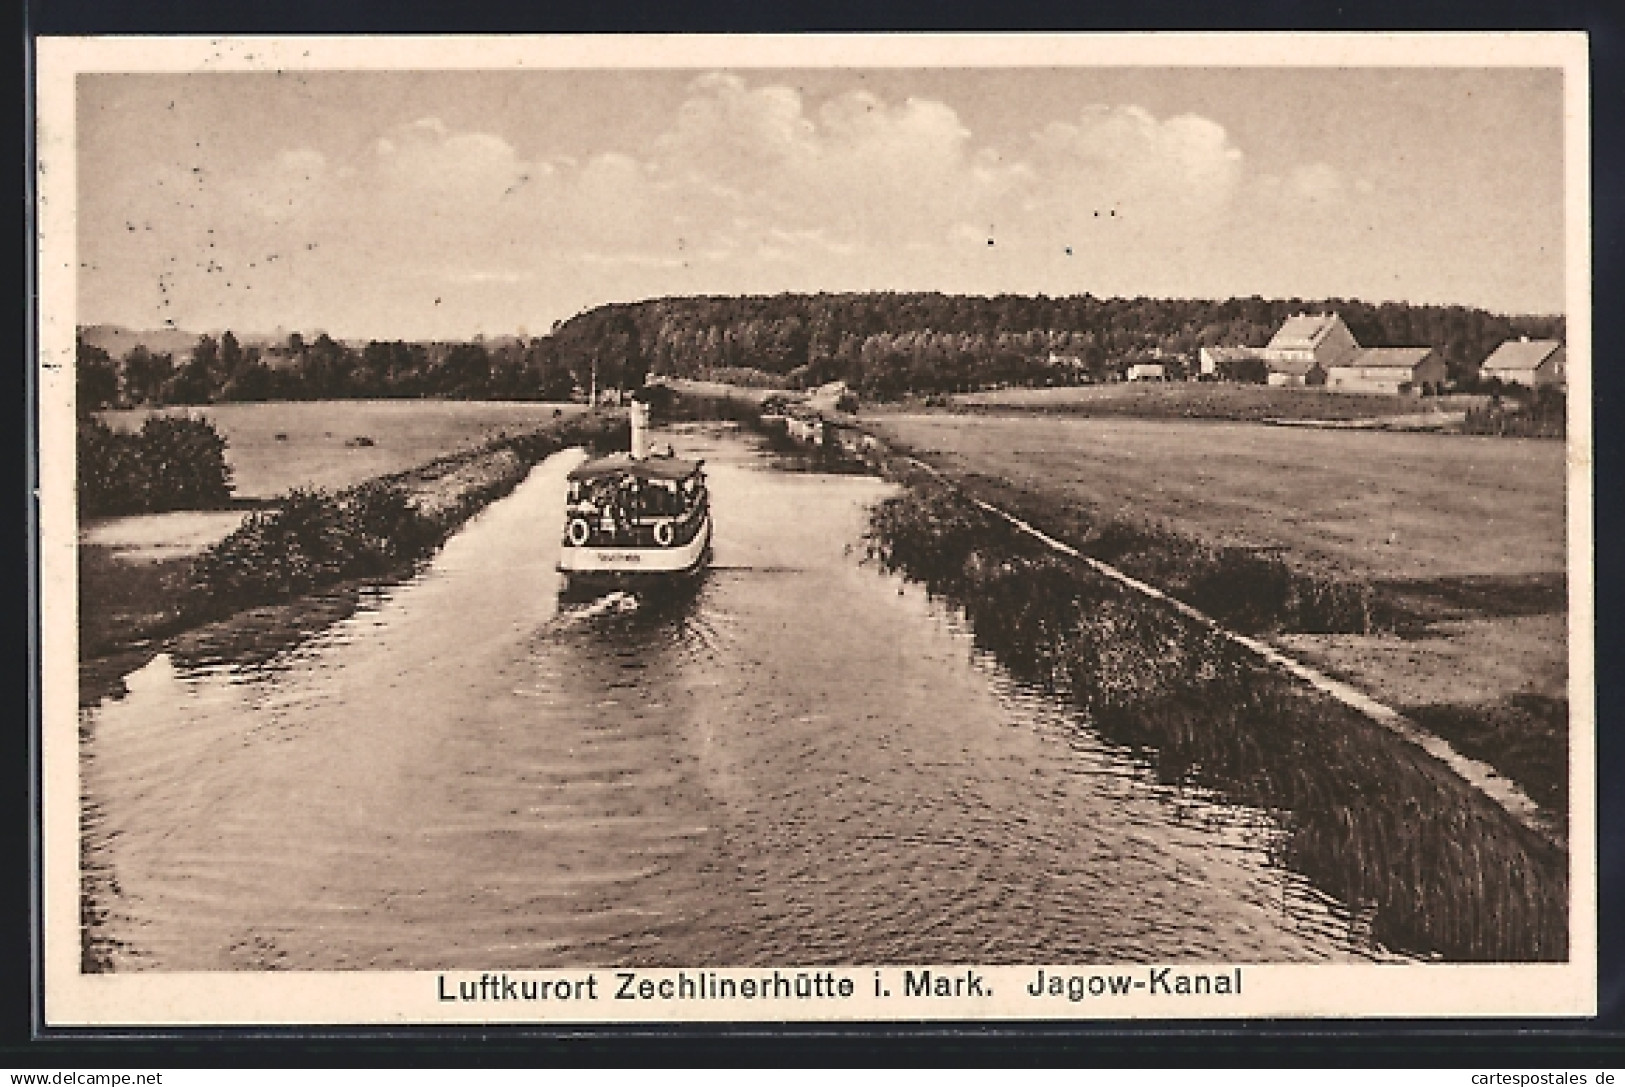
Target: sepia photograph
(588,529)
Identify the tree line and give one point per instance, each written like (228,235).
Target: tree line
(884,344)
(223,370)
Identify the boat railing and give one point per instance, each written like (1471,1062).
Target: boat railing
(640,530)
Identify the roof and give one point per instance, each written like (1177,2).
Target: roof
(1521,354)
(622,464)
(1304,331)
(1386,358)
(1220,353)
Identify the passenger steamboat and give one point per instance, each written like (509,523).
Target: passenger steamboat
(635,518)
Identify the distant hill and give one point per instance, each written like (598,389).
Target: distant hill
(118,341)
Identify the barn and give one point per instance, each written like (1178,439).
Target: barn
(1389,370)
(1527,362)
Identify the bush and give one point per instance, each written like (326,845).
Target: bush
(170,464)
(272,555)
(747,376)
(1532,413)
(185,463)
(311,539)
(110,470)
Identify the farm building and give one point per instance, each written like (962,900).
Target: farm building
(1389,370)
(1216,362)
(1147,371)
(1306,346)
(1319,349)
(1527,362)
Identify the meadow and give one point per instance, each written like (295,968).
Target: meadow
(1456,544)
(1375,504)
(1207,400)
(332,444)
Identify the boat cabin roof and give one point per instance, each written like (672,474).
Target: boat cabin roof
(621,464)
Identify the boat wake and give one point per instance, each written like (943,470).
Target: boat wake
(615,603)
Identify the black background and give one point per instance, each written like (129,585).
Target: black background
(1574,1045)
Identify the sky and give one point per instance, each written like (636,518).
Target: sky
(420,205)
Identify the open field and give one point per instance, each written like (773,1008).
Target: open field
(321,443)
(1464,537)
(1372,504)
(1208,400)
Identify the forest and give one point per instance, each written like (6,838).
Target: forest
(885,345)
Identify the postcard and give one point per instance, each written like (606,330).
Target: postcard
(556,530)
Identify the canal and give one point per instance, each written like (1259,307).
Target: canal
(802,761)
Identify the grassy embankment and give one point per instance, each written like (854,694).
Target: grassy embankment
(1427,570)
(303,559)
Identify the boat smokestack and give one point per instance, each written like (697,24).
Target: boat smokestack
(640,430)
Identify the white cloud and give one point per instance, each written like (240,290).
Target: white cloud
(1121,162)
(1311,186)
(751,186)
(748,170)
(426,158)
(475,276)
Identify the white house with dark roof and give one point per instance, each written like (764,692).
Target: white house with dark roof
(1306,346)
(1527,362)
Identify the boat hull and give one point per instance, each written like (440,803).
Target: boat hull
(631,564)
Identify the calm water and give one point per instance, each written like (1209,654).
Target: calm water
(802,762)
